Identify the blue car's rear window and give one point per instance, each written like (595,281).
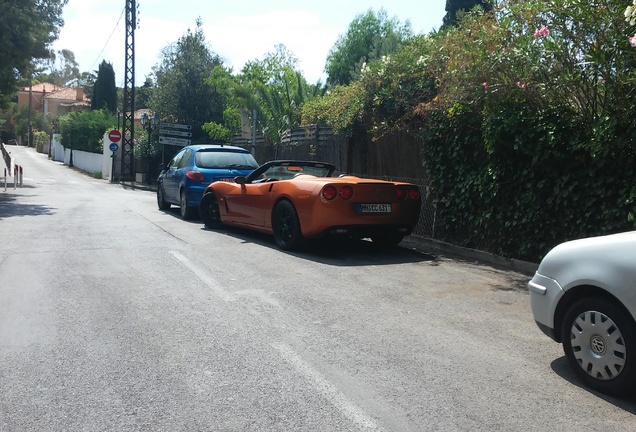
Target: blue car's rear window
(225,159)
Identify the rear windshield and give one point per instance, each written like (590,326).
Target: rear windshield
(225,159)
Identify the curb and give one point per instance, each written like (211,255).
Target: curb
(135,185)
(474,254)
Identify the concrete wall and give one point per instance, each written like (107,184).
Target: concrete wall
(89,162)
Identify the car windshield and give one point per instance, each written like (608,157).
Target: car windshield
(284,172)
(225,159)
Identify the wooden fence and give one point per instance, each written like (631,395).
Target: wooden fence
(393,155)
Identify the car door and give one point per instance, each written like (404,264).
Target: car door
(248,205)
(169,182)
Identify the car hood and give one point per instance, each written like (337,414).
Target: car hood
(592,260)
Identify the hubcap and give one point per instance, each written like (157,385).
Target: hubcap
(598,345)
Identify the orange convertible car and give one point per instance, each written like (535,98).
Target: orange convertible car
(295,200)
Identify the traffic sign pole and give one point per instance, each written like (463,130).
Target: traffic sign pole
(113,148)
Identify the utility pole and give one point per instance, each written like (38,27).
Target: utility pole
(128,132)
(254,133)
(30,128)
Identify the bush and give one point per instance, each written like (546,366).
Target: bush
(530,140)
(85,130)
(40,138)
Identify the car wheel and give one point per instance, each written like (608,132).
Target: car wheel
(387,239)
(599,341)
(286,226)
(186,210)
(209,211)
(161,199)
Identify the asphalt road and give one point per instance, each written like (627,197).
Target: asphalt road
(115,316)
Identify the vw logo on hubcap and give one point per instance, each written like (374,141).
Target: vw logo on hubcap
(598,345)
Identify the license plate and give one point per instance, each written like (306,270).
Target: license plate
(374,208)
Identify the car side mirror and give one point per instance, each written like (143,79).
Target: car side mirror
(240,180)
(163,166)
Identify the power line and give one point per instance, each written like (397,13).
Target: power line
(108,41)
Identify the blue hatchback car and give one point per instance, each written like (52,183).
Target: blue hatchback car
(182,180)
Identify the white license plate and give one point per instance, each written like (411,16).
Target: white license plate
(374,208)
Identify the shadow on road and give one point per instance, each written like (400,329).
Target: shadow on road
(11,207)
(562,368)
(340,253)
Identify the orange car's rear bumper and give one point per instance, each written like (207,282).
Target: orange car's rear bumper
(327,219)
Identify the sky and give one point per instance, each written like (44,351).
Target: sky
(238,31)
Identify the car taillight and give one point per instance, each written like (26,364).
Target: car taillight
(413,193)
(329,192)
(407,193)
(346,192)
(195,175)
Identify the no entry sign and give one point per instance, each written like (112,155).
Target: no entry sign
(114,135)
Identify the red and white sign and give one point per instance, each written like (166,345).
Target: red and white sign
(114,135)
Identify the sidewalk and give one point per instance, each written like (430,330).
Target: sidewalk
(136,185)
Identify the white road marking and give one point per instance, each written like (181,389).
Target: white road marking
(328,390)
(205,277)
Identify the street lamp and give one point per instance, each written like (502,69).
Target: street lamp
(149,123)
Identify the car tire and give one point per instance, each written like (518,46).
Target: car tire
(161,199)
(387,239)
(286,226)
(185,210)
(209,211)
(599,341)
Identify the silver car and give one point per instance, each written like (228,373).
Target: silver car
(583,295)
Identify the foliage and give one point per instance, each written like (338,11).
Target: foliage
(276,90)
(455,8)
(85,130)
(63,69)
(182,93)
(20,120)
(28,29)
(385,97)
(143,93)
(395,87)
(224,132)
(369,37)
(226,85)
(529,140)
(342,107)
(7,128)
(40,138)
(147,144)
(104,89)
(87,82)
